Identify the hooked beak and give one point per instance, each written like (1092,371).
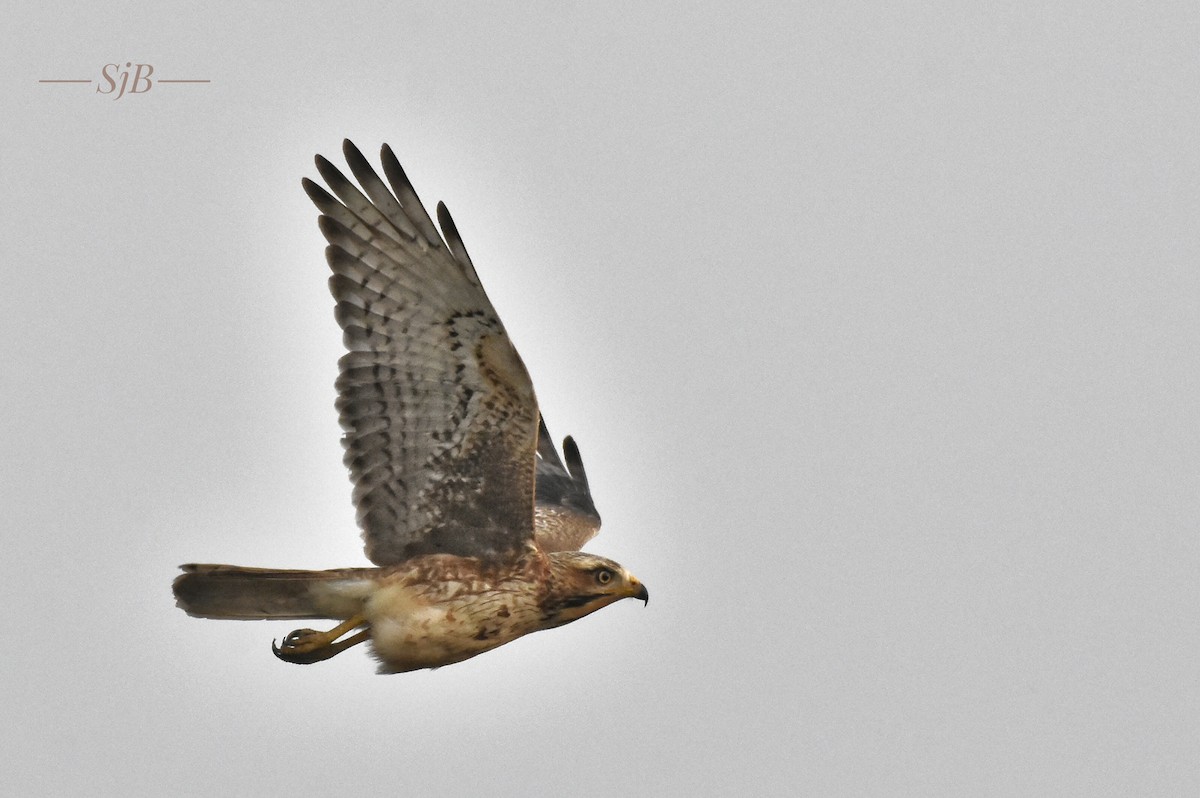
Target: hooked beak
(638,591)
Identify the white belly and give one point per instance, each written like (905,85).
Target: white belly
(408,631)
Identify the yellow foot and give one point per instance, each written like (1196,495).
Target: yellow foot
(306,646)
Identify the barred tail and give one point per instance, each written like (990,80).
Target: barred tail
(230,591)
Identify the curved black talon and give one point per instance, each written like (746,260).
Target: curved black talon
(306,646)
(296,657)
(294,640)
(297,636)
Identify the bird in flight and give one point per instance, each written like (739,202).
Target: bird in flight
(472,517)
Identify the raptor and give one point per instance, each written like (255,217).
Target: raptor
(472,518)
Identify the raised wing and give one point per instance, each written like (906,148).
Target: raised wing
(565,517)
(440,417)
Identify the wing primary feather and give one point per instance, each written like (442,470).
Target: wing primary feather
(359,205)
(545,448)
(564,501)
(574,460)
(339,185)
(455,242)
(408,196)
(320,197)
(387,204)
(389,273)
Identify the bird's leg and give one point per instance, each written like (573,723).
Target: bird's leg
(306,646)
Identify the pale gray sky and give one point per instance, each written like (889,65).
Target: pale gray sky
(876,324)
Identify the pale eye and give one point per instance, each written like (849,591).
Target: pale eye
(604,576)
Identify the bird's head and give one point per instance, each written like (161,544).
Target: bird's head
(582,583)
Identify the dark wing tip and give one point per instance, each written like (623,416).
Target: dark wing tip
(329,226)
(362,169)
(395,172)
(354,157)
(574,460)
(457,248)
(331,174)
(317,193)
(407,196)
(545,447)
(446,221)
(337,234)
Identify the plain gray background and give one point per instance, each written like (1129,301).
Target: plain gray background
(876,324)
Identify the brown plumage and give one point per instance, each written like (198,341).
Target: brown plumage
(464,502)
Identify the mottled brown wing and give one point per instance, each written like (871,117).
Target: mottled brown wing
(565,517)
(439,413)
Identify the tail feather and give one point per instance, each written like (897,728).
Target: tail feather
(231,591)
